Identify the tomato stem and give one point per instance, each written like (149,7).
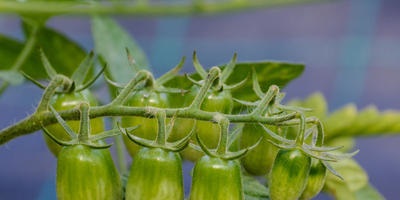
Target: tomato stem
(161,139)
(214,73)
(321,134)
(301,130)
(223,140)
(55,83)
(84,129)
(263,105)
(130,87)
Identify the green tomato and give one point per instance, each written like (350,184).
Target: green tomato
(86,173)
(181,127)
(65,101)
(155,174)
(209,133)
(217,179)
(289,174)
(316,179)
(148,128)
(259,160)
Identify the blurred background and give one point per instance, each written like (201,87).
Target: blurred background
(351,49)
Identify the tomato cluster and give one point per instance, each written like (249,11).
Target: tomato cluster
(158,144)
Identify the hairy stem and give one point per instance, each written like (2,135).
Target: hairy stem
(33,122)
(222,148)
(50,90)
(215,72)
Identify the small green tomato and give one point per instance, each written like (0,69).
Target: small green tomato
(155,174)
(216,179)
(87,173)
(289,174)
(316,179)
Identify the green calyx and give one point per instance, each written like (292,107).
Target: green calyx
(164,131)
(219,83)
(222,150)
(83,137)
(150,83)
(77,81)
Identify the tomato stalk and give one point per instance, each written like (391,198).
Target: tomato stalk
(55,83)
(122,97)
(199,98)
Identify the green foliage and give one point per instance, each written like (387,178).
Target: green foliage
(9,51)
(268,73)
(111,42)
(253,189)
(64,54)
(124,58)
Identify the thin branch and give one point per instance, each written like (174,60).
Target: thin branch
(124,8)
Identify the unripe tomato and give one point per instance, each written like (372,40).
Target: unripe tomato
(289,174)
(65,101)
(316,179)
(216,179)
(259,160)
(155,174)
(182,126)
(86,173)
(147,127)
(215,101)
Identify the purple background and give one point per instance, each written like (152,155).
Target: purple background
(351,50)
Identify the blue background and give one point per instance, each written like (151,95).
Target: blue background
(351,50)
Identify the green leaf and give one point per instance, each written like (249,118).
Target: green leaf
(364,120)
(349,122)
(63,54)
(340,121)
(253,189)
(387,122)
(111,42)
(368,192)
(268,73)
(12,77)
(9,51)
(316,102)
(355,178)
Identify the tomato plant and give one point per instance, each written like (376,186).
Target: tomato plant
(231,127)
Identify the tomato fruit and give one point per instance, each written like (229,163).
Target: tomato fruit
(316,179)
(259,160)
(289,174)
(147,127)
(217,179)
(215,101)
(65,101)
(87,173)
(155,174)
